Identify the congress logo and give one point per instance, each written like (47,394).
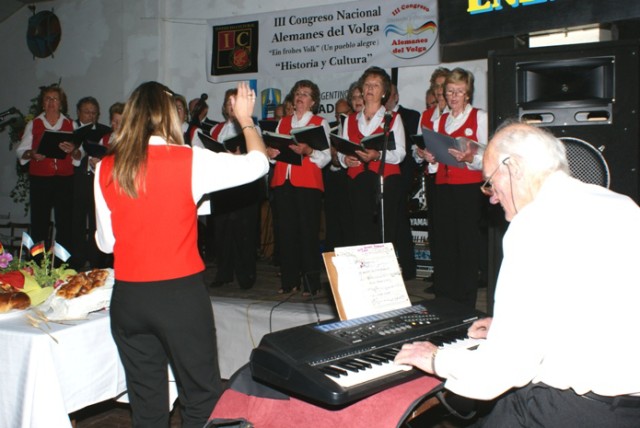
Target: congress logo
(411,30)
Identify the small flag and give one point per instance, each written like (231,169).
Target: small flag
(1,248)
(60,252)
(37,249)
(26,240)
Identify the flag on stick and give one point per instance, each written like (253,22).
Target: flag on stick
(60,252)
(1,248)
(37,249)
(26,240)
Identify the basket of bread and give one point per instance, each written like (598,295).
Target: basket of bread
(79,295)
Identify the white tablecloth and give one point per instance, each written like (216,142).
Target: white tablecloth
(42,381)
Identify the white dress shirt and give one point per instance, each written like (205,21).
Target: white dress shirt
(566,301)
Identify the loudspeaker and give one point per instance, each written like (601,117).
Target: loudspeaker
(587,93)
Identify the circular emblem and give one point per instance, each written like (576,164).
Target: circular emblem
(43,34)
(468,132)
(240,58)
(411,30)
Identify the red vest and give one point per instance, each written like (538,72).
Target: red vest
(215,131)
(306,175)
(156,233)
(425,120)
(355,135)
(450,174)
(49,167)
(105,139)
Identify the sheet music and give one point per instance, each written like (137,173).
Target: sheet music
(369,280)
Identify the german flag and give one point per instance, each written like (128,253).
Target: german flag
(37,249)
(1,248)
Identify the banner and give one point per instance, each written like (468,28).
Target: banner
(344,37)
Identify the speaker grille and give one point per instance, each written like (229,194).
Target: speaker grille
(586,162)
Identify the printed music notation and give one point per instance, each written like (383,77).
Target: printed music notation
(369,280)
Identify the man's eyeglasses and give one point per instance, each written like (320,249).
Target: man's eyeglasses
(487,186)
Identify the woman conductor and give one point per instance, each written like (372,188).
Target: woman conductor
(146,190)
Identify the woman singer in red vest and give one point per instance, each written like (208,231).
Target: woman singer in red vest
(457,211)
(297,194)
(50,179)
(146,191)
(364,186)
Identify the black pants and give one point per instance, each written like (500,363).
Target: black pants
(337,209)
(236,218)
(364,191)
(156,323)
(457,213)
(538,405)
(298,211)
(47,194)
(84,247)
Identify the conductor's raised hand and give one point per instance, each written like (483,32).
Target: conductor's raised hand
(243,103)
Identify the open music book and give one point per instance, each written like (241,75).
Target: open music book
(366,280)
(229,145)
(281,143)
(438,145)
(313,136)
(373,141)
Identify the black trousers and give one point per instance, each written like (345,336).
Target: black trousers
(364,191)
(83,242)
(236,220)
(47,194)
(337,209)
(538,405)
(156,323)
(457,213)
(298,211)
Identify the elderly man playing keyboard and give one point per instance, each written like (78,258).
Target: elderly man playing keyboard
(560,350)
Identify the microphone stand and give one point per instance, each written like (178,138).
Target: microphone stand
(387,122)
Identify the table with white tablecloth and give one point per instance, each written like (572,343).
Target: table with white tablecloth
(42,381)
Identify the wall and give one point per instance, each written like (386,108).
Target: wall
(108,47)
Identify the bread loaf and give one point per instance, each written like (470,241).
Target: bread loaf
(82,283)
(13,300)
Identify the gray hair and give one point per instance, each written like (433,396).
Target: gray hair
(537,150)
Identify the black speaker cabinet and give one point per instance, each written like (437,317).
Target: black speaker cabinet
(588,92)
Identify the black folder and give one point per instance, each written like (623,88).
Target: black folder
(95,150)
(282,142)
(207,125)
(229,145)
(313,136)
(376,142)
(346,147)
(92,133)
(268,125)
(50,142)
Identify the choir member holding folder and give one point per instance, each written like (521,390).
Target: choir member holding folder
(235,212)
(83,248)
(50,178)
(457,210)
(298,193)
(364,166)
